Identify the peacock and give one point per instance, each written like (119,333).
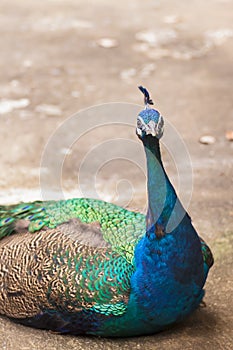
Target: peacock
(85,266)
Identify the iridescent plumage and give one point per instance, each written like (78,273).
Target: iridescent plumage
(84,266)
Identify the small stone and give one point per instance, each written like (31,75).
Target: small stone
(218,37)
(229,135)
(107,43)
(7,106)
(155,38)
(207,140)
(48,109)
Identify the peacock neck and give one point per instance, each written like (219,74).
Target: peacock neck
(161,195)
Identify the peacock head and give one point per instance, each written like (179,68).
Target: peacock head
(149,121)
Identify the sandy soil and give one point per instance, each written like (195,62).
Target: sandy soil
(55,63)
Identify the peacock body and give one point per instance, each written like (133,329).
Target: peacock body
(84,266)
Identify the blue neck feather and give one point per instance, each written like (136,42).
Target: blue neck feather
(161,206)
(169,265)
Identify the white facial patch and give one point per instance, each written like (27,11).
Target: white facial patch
(152,128)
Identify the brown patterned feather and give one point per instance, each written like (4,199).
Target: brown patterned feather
(53,270)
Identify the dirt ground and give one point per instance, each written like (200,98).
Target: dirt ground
(59,57)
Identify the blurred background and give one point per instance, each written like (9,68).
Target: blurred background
(61,56)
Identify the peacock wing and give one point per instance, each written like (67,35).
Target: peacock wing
(61,270)
(121,228)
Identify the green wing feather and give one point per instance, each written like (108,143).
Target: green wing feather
(120,227)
